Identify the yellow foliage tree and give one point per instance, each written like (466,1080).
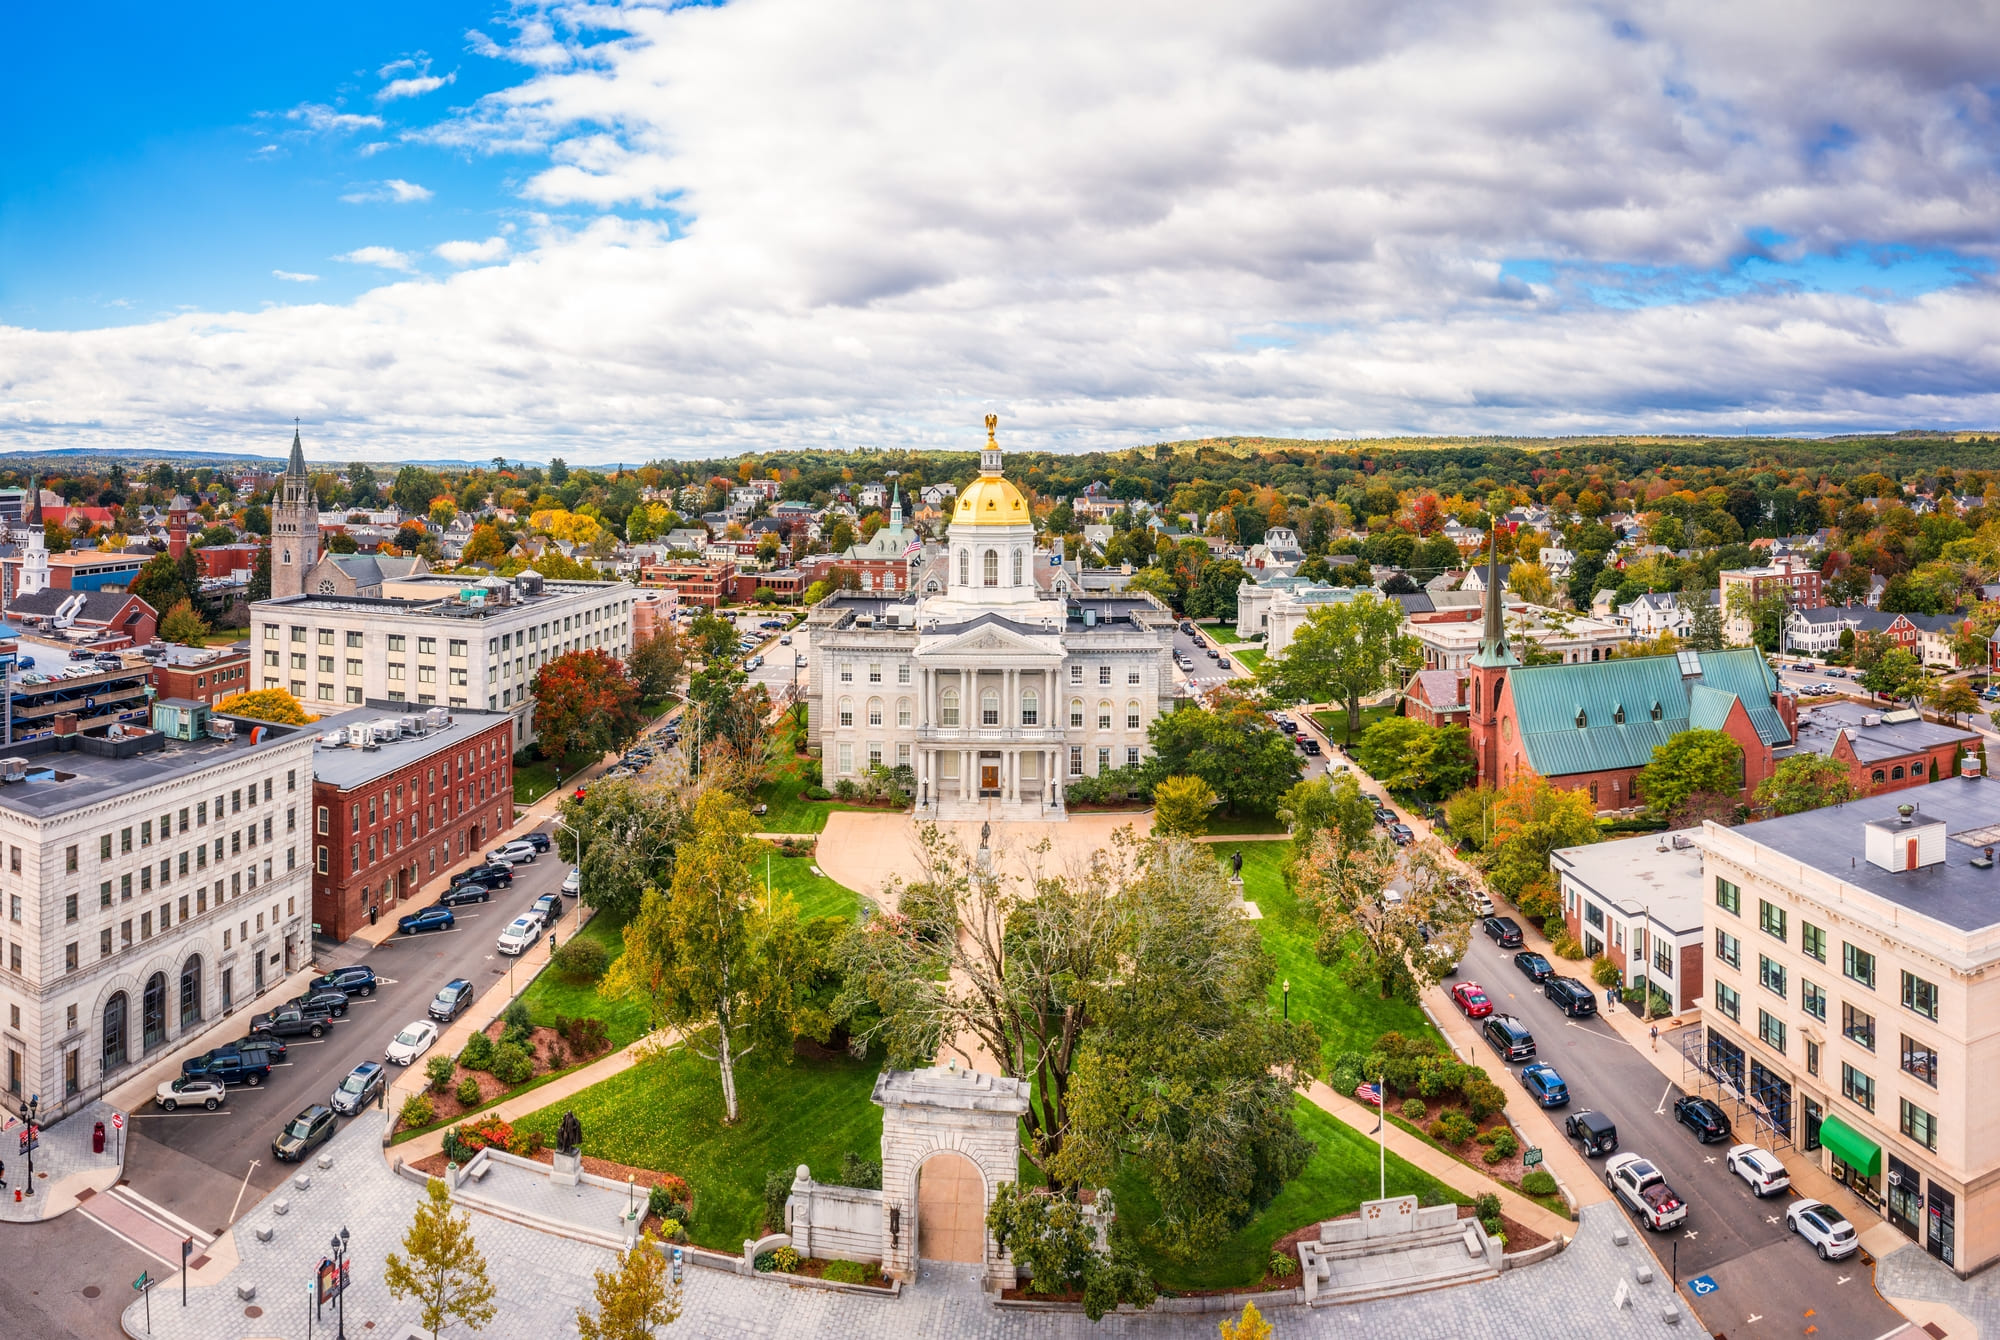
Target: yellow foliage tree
(266,705)
(1250,1326)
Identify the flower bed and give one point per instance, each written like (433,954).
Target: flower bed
(548,1051)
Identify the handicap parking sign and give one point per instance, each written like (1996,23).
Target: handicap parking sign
(1703,1285)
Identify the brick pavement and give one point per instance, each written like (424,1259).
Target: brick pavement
(64,1166)
(542,1279)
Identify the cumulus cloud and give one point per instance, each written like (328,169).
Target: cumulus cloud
(294,277)
(414,87)
(868,223)
(321,119)
(386,258)
(472,253)
(394,191)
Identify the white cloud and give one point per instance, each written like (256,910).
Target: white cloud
(321,119)
(294,277)
(387,258)
(472,253)
(1298,217)
(414,87)
(394,191)
(417,64)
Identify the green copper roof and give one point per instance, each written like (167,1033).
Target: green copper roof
(1616,701)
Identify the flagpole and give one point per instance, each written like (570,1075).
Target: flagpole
(1382,1124)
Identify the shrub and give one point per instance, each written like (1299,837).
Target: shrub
(468,1092)
(1502,1144)
(1436,1131)
(478,1053)
(811,771)
(669,1200)
(517,1024)
(787,1259)
(1483,1098)
(1564,947)
(844,1272)
(1487,1207)
(777,1186)
(860,1171)
(764,1262)
(586,1037)
(558,1055)
(846,789)
(821,793)
(1457,1127)
(512,1064)
(483,1132)
(1414,1109)
(582,959)
(437,1073)
(1604,972)
(536,1140)
(417,1110)
(1283,1266)
(1540,1182)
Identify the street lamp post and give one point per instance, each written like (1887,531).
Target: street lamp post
(29,1134)
(1288,998)
(340,1278)
(576,837)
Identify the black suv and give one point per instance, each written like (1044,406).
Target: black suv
(1510,1037)
(454,1000)
(1593,1130)
(356,979)
(1570,995)
(308,1130)
(465,893)
(1506,932)
(540,841)
(1704,1118)
(235,1064)
(333,1001)
(498,875)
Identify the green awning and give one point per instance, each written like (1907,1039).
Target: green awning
(1854,1149)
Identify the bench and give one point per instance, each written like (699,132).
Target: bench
(1473,1246)
(477,1172)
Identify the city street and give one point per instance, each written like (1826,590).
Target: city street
(198,1162)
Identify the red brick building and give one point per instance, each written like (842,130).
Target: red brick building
(1884,751)
(787,584)
(1438,698)
(697,583)
(394,812)
(1797,582)
(203,674)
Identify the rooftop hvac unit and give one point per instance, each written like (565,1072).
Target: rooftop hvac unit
(437,718)
(410,725)
(13,769)
(221,728)
(381,732)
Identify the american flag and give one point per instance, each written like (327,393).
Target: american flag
(913,548)
(1370,1093)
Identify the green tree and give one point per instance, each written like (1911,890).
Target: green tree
(160,583)
(362,488)
(414,488)
(1050,1234)
(340,542)
(630,830)
(1704,631)
(1893,675)
(182,624)
(1159,582)
(1342,653)
(1807,782)
(1764,614)
(260,577)
(1953,697)
(441,1266)
(1526,820)
(1332,801)
(1692,762)
(1396,944)
(1405,754)
(716,957)
(638,1295)
(1213,595)
(1233,748)
(1181,806)
(656,664)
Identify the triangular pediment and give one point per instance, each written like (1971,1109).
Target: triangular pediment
(990,637)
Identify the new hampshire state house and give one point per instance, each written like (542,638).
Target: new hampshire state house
(995,680)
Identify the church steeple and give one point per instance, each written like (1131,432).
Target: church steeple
(1493,649)
(294,525)
(296,467)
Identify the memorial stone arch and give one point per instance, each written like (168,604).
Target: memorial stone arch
(950,1141)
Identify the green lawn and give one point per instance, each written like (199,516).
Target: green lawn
(816,895)
(667,1114)
(787,812)
(534,780)
(549,995)
(1341,1174)
(1346,1018)
(1250,657)
(1219,632)
(1220,823)
(1334,723)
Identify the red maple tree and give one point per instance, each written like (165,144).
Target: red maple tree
(585,701)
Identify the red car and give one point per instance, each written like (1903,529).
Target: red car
(1471,997)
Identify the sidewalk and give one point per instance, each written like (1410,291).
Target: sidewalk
(65,1169)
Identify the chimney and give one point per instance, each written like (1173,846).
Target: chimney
(1969,766)
(65,723)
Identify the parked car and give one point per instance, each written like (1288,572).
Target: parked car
(520,935)
(356,979)
(362,1086)
(1597,1133)
(1510,1037)
(1402,834)
(1533,966)
(1222,662)
(1644,1189)
(1214,655)
(549,908)
(453,1000)
(412,1042)
(291,1021)
(1708,1121)
(333,1001)
(1572,997)
(572,883)
(1471,998)
(459,894)
(436,917)
(540,841)
(514,853)
(195,1090)
(1544,1085)
(308,1130)
(1823,1226)
(1311,746)
(1504,931)
(1760,1168)
(497,875)
(230,1065)
(785,641)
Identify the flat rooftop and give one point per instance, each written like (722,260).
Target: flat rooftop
(1831,840)
(61,782)
(346,766)
(1892,734)
(1635,875)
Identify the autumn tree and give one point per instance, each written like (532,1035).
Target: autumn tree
(635,1297)
(1181,807)
(441,1266)
(622,835)
(715,956)
(266,705)
(1342,654)
(1525,821)
(485,548)
(1951,697)
(1250,1326)
(1807,782)
(585,702)
(1531,582)
(1693,762)
(182,624)
(1397,942)
(656,664)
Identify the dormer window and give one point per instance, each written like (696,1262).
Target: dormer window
(1656,711)
(1582,718)
(1618,715)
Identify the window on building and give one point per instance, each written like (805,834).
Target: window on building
(1103,761)
(1593,914)
(1031,707)
(1727,1001)
(846,757)
(1771,973)
(1728,897)
(874,711)
(1920,1059)
(1104,674)
(1728,949)
(1104,716)
(902,711)
(1076,713)
(1076,760)
(1813,998)
(1857,1026)
(948,708)
(1857,1086)
(847,711)
(1772,1030)
(1920,996)
(1918,1124)
(1859,964)
(1771,919)
(1132,716)
(1132,756)
(1813,940)
(875,672)
(1663,956)
(989,707)
(990,567)
(1076,674)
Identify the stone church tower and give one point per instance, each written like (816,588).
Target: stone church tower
(294,527)
(1489,673)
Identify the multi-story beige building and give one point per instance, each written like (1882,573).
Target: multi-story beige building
(1854,961)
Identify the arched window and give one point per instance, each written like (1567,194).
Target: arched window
(874,711)
(1031,707)
(115,1010)
(1877,775)
(1017,567)
(1475,695)
(153,1012)
(1896,773)
(948,708)
(1076,713)
(991,566)
(989,708)
(1132,715)
(965,567)
(191,992)
(1104,715)
(847,711)
(902,711)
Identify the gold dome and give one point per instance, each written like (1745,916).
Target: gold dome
(990,500)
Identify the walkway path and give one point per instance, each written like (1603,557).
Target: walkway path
(865,851)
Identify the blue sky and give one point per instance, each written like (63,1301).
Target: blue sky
(139,181)
(652,228)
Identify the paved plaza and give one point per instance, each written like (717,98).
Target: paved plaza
(543,1278)
(64,1166)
